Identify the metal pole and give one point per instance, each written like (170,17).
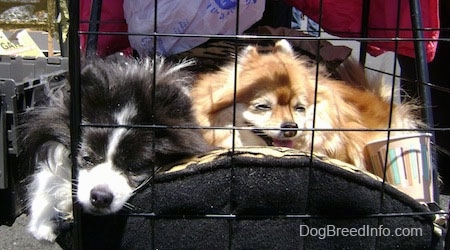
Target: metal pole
(94,25)
(423,78)
(364,31)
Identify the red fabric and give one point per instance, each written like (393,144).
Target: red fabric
(112,20)
(343,18)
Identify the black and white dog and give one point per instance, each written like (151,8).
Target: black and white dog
(114,158)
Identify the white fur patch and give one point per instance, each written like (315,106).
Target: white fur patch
(50,193)
(122,118)
(106,176)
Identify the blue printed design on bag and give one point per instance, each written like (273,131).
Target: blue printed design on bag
(226,4)
(225,8)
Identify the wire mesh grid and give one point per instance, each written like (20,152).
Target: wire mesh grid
(394,73)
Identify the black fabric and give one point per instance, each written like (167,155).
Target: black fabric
(259,199)
(215,53)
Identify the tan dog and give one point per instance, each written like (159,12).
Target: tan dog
(277,100)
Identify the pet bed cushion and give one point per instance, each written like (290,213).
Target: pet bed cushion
(262,198)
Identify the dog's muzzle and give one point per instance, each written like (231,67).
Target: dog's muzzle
(289,125)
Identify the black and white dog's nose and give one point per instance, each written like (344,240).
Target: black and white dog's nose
(289,133)
(101,197)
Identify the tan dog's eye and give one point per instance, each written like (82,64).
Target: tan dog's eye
(299,108)
(263,107)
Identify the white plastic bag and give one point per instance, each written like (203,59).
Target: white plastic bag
(204,17)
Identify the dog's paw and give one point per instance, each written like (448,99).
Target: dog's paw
(44,232)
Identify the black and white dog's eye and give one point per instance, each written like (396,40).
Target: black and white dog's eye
(87,160)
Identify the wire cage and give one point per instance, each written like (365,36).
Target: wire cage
(272,197)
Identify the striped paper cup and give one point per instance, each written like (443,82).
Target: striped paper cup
(408,164)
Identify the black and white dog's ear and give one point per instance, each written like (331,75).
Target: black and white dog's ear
(116,57)
(96,77)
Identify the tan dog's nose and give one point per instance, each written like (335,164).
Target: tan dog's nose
(289,133)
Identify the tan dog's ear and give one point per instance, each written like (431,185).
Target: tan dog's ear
(248,53)
(283,46)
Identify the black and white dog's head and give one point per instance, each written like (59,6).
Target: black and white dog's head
(133,114)
(113,161)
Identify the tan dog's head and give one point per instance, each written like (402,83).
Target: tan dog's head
(274,89)
(269,94)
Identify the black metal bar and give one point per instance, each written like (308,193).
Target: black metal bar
(423,78)
(364,31)
(75,114)
(94,25)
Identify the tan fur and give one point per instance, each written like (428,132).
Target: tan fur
(279,87)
